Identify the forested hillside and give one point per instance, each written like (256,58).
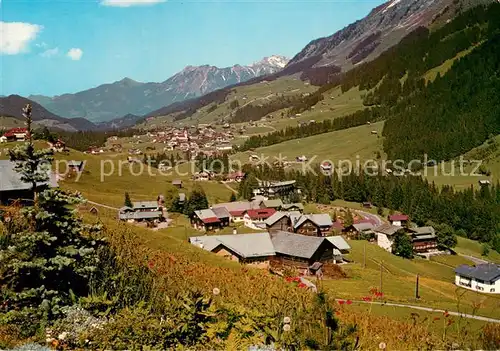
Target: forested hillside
(450,115)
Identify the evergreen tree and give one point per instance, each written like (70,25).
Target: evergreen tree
(349,219)
(197,201)
(47,255)
(233,197)
(127,201)
(402,245)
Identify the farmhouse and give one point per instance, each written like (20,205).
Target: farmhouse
(293,207)
(76,166)
(281,221)
(13,188)
(145,206)
(16,134)
(398,220)
(253,249)
(385,235)
(177,183)
(300,251)
(206,220)
(277,204)
(424,239)
(235,176)
(255,218)
(130,215)
(312,224)
(236,209)
(359,230)
(483,277)
(273,190)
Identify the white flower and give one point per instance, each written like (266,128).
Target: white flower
(287,320)
(382,345)
(62,336)
(216,291)
(49,340)
(286,327)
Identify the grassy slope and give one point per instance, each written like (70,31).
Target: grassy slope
(475,249)
(340,145)
(10,122)
(431,74)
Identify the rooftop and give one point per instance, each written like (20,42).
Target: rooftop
(296,245)
(339,242)
(320,219)
(144,204)
(487,272)
(11,180)
(262,213)
(387,229)
(245,245)
(398,217)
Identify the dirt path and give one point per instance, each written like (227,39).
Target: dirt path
(102,205)
(429,309)
(230,188)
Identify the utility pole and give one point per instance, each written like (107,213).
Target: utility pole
(417,296)
(381,264)
(364,255)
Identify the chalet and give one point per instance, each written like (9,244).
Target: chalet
(206,220)
(293,207)
(482,277)
(132,215)
(281,221)
(340,244)
(398,220)
(273,190)
(201,176)
(326,167)
(253,249)
(484,182)
(58,146)
(145,206)
(235,177)
(357,231)
(13,188)
(76,166)
(277,204)
(312,224)
(177,183)
(424,240)
(224,147)
(385,235)
(223,214)
(301,158)
(16,134)
(300,251)
(367,205)
(255,218)
(236,209)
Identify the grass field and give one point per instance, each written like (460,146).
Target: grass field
(445,66)
(475,249)
(10,122)
(346,144)
(399,281)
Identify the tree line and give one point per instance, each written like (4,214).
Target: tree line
(473,214)
(353,120)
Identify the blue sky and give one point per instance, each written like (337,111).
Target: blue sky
(52,47)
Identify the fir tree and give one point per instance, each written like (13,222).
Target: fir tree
(402,245)
(127,201)
(47,255)
(232,198)
(197,201)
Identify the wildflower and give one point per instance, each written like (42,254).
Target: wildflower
(446,314)
(450,321)
(151,264)
(216,291)
(296,279)
(337,313)
(301,285)
(49,340)
(349,302)
(436,318)
(289,279)
(379,294)
(341,302)
(367,298)
(382,345)
(373,291)
(286,327)
(62,336)
(287,320)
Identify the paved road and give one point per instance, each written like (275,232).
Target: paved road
(378,221)
(474,259)
(429,309)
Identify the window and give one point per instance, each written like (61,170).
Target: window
(492,290)
(480,288)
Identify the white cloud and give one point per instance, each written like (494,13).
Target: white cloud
(128,3)
(75,54)
(50,52)
(16,36)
